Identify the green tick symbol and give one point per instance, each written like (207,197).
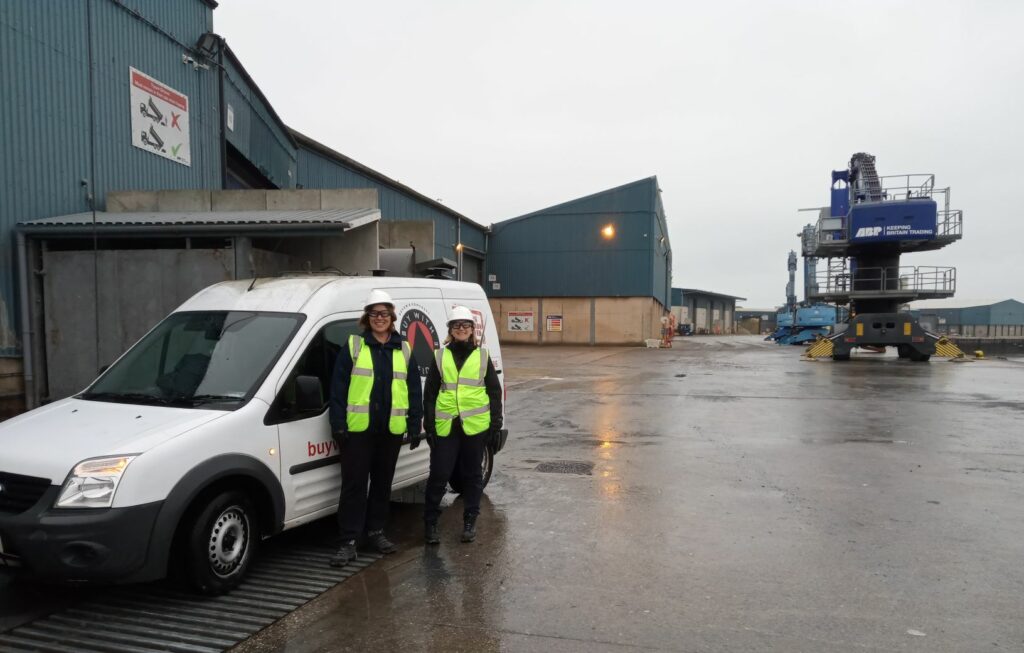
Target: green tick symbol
(174,149)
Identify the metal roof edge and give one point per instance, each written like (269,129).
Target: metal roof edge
(235,61)
(47,226)
(532,214)
(323,150)
(713,294)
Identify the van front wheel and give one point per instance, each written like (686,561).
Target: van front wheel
(220,543)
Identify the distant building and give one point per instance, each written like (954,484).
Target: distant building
(708,312)
(1004,319)
(755,321)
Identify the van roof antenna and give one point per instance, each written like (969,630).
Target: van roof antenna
(252,284)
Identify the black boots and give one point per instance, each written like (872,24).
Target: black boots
(377,541)
(346,554)
(430,535)
(469,529)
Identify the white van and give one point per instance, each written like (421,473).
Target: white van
(208,434)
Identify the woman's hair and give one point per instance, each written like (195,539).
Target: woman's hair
(472,338)
(364,319)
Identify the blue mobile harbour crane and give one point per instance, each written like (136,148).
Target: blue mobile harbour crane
(800,323)
(872,220)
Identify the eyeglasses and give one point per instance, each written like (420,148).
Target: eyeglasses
(378,314)
(462,325)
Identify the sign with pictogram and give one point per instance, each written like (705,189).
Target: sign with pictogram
(520,320)
(159,118)
(554,322)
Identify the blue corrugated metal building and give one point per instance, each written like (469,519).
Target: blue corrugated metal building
(65,123)
(1003,319)
(605,259)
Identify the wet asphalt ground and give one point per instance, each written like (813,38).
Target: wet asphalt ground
(719,496)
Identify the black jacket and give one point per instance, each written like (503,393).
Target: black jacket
(380,395)
(460,352)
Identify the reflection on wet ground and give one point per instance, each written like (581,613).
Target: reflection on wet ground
(757,503)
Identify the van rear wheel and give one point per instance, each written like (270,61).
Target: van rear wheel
(487,466)
(220,543)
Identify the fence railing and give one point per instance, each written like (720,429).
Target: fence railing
(902,187)
(888,281)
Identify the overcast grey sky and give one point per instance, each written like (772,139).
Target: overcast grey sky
(741,109)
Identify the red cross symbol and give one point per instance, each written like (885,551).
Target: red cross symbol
(174,120)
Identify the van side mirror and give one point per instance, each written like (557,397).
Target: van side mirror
(309,394)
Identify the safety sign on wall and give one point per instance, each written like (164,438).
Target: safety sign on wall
(554,322)
(159,118)
(520,320)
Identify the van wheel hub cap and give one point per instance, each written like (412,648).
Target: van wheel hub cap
(228,539)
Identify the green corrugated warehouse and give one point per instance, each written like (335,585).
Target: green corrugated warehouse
(80,133)
(594,270)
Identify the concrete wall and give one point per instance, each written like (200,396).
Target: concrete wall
(354,253)
(585,320)
(398,234)
(985,330)
(305,199)
(138,288)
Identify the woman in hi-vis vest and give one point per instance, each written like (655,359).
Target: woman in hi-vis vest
(376,398)
(462,410)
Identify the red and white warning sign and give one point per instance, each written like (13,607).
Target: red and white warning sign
(159,118)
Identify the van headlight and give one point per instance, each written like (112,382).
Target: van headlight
(92,482)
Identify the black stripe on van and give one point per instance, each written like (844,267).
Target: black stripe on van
(314,464)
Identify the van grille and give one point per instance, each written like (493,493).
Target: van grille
(19,493)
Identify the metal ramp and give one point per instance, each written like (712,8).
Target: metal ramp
(820,348)
(823,347)
(946,348)
(160,619)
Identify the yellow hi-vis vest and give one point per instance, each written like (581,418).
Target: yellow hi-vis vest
(361,385)
(462,394)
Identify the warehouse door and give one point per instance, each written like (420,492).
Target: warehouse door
(700,322)
(472,269)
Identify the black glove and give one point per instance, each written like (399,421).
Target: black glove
(494,436)
(431,438)
(341,437)
(414,440)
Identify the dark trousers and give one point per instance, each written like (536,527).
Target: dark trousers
(467,451)
(366,456)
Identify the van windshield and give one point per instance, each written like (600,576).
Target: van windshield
(214,359)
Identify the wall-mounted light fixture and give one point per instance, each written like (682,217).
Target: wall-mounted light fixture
(608,232)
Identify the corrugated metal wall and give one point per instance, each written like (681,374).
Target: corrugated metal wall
(662,252)
(54,127)
(560,251)
(256,133)
(45,117)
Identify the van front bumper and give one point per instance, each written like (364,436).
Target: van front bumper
(105,544)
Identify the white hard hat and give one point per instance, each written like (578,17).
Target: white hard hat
(460,313)
(378,297)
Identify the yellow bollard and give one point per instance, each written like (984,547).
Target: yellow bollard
(979,354)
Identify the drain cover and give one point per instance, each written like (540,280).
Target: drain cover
(566,467)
